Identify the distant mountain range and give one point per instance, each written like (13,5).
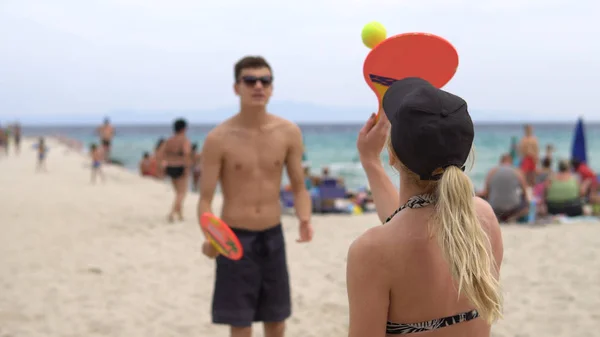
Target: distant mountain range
(297,111)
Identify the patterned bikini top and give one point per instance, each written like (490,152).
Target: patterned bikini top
(419,201)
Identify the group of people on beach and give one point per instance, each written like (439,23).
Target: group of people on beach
(10,133)
(433,264)
(510,188)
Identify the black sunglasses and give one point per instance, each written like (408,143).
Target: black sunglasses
(252,80)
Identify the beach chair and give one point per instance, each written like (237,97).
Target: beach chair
(326,199)
(329,182)
(287,201)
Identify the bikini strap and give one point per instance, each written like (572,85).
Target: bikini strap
(417,201)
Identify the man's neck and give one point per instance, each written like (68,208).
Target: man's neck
(252,116)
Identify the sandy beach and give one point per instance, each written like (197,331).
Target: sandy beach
(78,259)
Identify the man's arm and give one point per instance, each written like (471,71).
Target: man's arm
(211,165)
(536,148)
(295,171)
(187,153)
(159,156)
(385,194)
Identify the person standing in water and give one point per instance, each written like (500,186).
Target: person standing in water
(106,132)
(247,155)
(175,153)
(97,159)
(434,264)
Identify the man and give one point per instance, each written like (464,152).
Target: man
(247,154)
(17,137)
(106,132)
(506,190)
(529,151)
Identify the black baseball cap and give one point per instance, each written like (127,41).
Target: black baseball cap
(430,128)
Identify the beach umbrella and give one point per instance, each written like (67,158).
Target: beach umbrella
(578,151)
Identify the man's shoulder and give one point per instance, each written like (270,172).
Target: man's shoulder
(220,129)
(284,124)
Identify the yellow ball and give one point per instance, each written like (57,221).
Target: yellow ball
(373,33)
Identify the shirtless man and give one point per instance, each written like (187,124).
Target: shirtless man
(106,132)
(247,154)
(529,151)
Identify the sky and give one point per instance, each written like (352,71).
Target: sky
(149,60)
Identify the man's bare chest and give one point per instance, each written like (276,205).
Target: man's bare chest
(253,156)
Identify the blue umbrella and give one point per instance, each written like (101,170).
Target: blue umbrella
(578,150)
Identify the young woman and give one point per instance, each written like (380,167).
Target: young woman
(434,263)
(175,153)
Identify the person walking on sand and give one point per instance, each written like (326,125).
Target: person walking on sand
(530,153)
(247,155)
(175,152)
(97,159)
(433,265)
(17,137)
(42,151)
(106,132)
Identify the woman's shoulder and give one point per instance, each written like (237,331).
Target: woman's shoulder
(369,246)
(489,222)
(485,212)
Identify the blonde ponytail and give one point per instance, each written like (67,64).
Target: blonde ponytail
(465,244)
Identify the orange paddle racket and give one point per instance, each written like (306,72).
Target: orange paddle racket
(221,236)
(423,55)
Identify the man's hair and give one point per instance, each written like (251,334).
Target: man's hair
(575,163)
(179,125)
(250,62)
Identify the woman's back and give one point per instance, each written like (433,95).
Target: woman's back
(421,283)
(174,150)
(562,187)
